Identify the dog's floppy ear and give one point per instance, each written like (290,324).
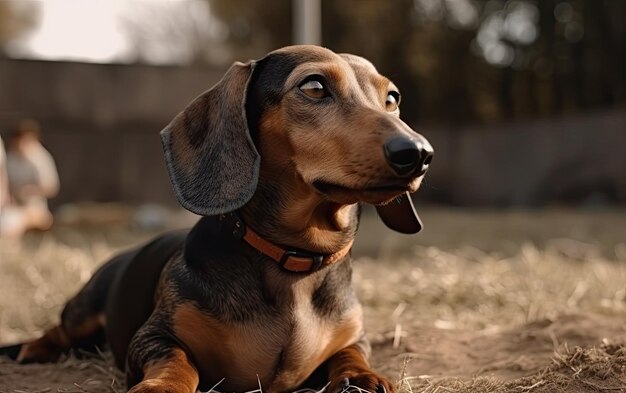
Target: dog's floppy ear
(400,215)
(211,159)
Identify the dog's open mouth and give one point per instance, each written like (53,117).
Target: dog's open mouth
(374,194)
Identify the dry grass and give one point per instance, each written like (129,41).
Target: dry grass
(470,289)
(458,294)
(474,294)
(36,281)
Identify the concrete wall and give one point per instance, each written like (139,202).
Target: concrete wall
(101,122)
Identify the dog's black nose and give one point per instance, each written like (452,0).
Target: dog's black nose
(406,156)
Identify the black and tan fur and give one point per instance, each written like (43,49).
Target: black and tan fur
(194,308)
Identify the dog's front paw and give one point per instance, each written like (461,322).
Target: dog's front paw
(150,386)
(360,382)
(158,386)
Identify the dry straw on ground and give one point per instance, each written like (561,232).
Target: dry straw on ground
(540,319)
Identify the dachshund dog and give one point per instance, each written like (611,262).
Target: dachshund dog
(277,157)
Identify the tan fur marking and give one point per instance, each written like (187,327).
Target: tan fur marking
(203,336)
(350,363)
(47,348)
(58,340)
(315,339)
(174,374)
(305,223)
(238,353)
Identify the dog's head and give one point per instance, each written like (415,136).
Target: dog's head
(328,120)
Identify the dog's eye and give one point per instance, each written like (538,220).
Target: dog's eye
(393,101)
(314,88)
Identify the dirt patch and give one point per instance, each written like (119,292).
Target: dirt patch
(573,353)
(570,354)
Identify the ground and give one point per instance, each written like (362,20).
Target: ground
(481,301)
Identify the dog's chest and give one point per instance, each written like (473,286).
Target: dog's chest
(313,340)
(281,348)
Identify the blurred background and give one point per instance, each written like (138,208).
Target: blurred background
(524,102)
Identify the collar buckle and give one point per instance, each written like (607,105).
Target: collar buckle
(298,261)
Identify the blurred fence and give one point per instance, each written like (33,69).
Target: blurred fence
(101,123)
(579,159)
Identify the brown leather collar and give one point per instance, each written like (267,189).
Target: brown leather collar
(293,260)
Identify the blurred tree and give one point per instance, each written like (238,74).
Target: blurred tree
(465,60)
(457,61)
(174,33)
(254,27)
(211,31)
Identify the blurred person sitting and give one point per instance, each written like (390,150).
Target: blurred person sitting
(32,178)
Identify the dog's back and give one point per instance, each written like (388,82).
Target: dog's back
(130,300)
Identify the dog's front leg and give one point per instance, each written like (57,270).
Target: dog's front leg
(156,364)
(171,374)
(349,371)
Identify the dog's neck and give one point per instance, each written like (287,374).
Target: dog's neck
(296,216)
